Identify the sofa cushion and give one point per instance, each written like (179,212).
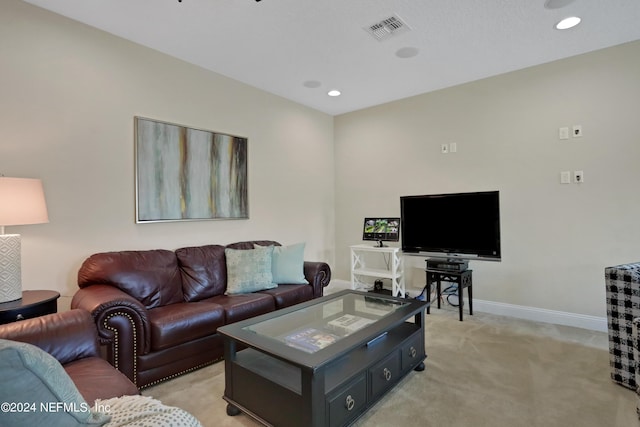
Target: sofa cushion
(244,306)
(288,295)
(287,264)
(252,243)
(203,270)
(249,270)
(178,323)
(152,277)
(95,378)
(67,336)
(31,376)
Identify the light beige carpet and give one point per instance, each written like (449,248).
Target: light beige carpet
(485,371)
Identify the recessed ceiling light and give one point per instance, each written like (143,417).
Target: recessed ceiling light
(567,23)
(333,92)
(407,52)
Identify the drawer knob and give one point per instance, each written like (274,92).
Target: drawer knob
(349,403)
(387,374)
(413,351)
(19,317)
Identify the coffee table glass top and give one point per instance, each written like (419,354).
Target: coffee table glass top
(311,328)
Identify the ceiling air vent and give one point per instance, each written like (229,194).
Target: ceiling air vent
(387,27)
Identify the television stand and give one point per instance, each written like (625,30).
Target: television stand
(391,259)
(461,277)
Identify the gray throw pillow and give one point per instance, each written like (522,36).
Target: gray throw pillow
(287,266)
(249,270)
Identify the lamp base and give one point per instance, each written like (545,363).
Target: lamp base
(10,268)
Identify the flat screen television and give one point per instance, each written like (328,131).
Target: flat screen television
(381,230)
(452,226)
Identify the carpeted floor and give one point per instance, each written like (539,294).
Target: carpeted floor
(486,371)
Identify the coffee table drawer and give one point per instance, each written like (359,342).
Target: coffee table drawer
(349,402)
(412,352)
(384,374)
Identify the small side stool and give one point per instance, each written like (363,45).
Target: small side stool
(461,278)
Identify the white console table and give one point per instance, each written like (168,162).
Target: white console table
(393,270)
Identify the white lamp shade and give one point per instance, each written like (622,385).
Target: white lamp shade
(22,202)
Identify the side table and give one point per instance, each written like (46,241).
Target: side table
(32,304)
(461,278)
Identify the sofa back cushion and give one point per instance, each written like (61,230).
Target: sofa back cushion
(67,336)
(251,244)
(152,277)
(203,270)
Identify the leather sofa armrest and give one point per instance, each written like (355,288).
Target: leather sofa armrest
(318,274)
(122,323)
(67,336)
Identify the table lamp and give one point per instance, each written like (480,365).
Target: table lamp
(21,202)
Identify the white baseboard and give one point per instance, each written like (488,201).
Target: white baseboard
(583,321)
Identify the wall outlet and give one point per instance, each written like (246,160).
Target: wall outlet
(453,147)
(444,148)
(578,177)
(577,131)
(565,177)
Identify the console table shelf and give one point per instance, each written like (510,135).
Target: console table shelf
(394,270)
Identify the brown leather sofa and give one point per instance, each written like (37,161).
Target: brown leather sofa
(158,311)
(71,337)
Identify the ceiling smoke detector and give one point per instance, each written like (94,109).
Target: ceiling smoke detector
(388,27)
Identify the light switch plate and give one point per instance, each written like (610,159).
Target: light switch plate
(563,133)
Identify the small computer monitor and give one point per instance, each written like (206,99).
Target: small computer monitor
(381,229)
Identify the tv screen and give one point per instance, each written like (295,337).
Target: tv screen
(462,225)
(381,229)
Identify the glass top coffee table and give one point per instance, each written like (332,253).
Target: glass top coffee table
(323,362)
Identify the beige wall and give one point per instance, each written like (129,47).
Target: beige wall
(556,239)
(69,93)
(67,101)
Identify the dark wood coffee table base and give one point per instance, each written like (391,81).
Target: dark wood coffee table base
(275,391)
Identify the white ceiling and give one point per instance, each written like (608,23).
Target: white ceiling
(278,45)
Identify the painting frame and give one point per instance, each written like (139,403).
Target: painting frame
(188,174)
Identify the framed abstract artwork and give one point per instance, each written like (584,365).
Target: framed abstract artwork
(185,174)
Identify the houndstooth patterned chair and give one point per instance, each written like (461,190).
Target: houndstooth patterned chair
(636,355)
(623,306)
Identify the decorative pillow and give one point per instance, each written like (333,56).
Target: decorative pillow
(38,391)
(287,265)
(249,270)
